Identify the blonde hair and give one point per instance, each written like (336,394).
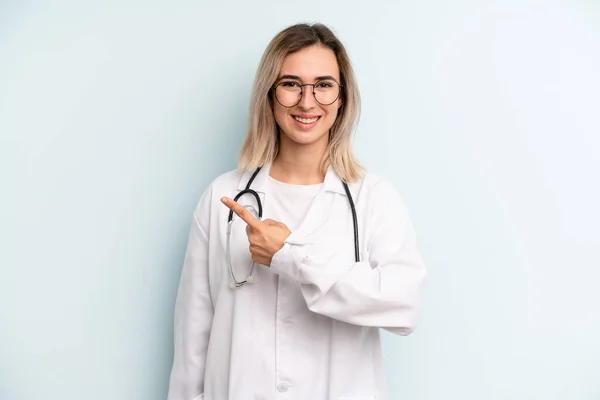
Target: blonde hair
(262,139)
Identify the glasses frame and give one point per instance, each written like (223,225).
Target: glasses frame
(340,86)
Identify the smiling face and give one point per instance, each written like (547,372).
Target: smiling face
(307,122)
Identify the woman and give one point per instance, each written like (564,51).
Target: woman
(305,325)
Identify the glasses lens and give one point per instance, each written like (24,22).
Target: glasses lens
(288,93)
(326,91)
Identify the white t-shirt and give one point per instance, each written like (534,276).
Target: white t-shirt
(291,202)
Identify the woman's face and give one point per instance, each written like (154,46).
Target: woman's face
(308,122)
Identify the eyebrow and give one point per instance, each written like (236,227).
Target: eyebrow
(318,78)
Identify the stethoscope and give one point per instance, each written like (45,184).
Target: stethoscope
(249,278)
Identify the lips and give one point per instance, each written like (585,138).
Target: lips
(306,120)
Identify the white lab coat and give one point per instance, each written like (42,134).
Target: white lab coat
(308,327)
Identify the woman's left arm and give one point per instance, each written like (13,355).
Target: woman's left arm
(383,290)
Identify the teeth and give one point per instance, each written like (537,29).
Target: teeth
(306,120)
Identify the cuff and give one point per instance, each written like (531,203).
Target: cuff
(288,259)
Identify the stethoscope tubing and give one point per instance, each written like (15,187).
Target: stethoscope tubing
(249,279)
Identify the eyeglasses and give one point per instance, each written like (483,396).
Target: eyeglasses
(289,92)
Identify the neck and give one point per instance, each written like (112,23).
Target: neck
(299,164)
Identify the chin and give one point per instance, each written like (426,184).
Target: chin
(306,138)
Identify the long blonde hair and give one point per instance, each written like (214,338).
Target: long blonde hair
(262,139)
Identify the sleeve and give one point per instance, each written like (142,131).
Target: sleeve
(383,290)
(193,312)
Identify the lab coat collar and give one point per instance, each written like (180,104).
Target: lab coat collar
(331,183)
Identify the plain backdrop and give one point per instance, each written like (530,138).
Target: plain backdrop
(115,116)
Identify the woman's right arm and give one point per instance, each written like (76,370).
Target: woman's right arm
(193,312)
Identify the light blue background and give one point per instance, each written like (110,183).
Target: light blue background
(115,116)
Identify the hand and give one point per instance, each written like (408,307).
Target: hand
(266,237)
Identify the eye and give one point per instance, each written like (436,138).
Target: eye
(324,84)
(289,84)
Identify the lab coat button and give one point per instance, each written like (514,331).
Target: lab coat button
(282,388)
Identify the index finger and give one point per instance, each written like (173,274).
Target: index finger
(241,212)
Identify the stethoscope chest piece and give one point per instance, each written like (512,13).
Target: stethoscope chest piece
(236,284)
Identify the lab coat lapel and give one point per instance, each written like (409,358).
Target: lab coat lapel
(320,209)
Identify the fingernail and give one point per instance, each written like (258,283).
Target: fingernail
(224,200)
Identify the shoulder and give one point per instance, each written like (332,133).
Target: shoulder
(380,195)
(226,182)
(222,185)
(371,179)
(384,204)
(375,185)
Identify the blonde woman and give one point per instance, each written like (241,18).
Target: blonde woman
(299,257)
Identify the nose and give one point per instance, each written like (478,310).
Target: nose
(308,100)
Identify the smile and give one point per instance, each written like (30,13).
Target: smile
(306,120)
